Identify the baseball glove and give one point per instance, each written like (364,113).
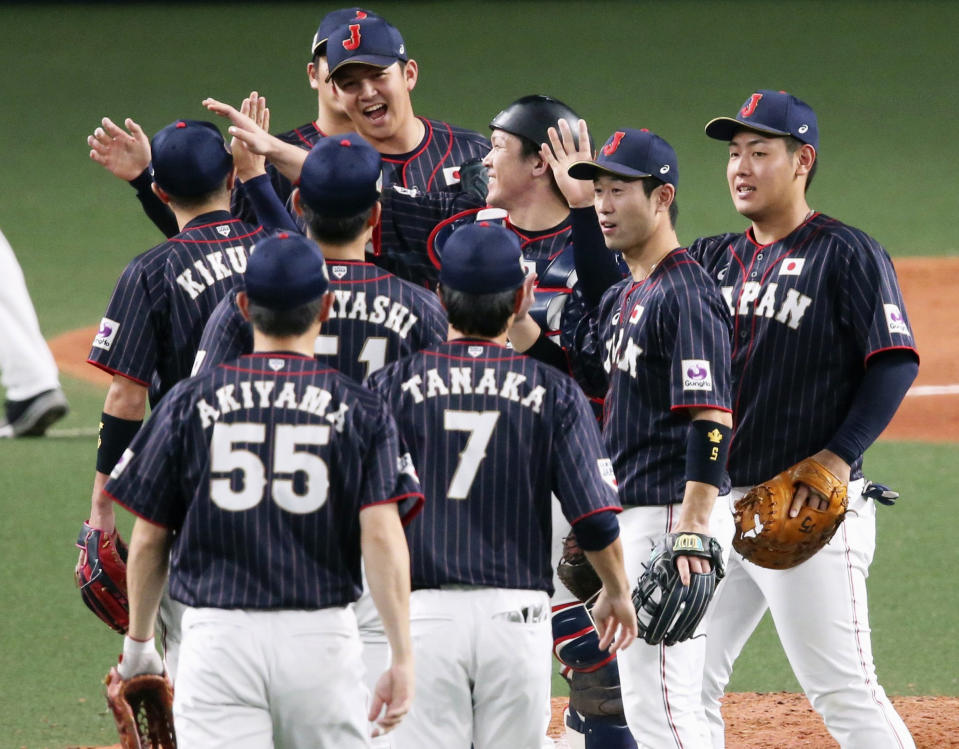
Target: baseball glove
(101,576)
(474,178)
(767,536)
(575,571)
(142,707)
(668,611)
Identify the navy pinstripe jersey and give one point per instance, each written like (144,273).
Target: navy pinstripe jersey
(433,166)
(654,349)
(163,298)
(262,467)
(376,318)
(492,433)
(809,310)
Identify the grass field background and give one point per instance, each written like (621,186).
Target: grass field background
(880,74)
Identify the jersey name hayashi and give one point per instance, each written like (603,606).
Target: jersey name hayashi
(251,394)
(459,381)
(352,305)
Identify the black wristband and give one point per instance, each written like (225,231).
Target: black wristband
(115,436)
(548,352)
(707,448)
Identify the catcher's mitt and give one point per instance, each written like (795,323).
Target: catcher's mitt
(142,707)
(666,610)
(575,571)
(101,576)
(767,536)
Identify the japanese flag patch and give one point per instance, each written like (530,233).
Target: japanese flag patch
(895,321)
(606,472)
(452,175)
(106,333)
(791,266)
(697,375)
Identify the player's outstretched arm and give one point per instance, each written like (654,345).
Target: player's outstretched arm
(287,158)
(124,154)
(613,613)
(387,561)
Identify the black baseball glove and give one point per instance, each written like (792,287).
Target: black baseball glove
(575,571)
(667,610)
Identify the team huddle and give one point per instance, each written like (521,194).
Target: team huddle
(431,408)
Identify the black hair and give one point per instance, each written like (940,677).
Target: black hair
(286,322)
(336,230)
(193,202)
(483,315)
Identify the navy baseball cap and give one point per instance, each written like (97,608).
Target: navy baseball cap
(284,271)
(341,176)
(332,21)
(633,154)
(772,112)
(190,158)
(370,41)
(482,258)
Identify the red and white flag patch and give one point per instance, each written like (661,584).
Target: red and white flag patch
(791,266)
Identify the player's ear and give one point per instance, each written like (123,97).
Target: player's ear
(243,304)
(231,180)
(665,195)
(375,214)
(439,293)
(411,74)
(325,307)
(295,197)
(158,191)
(311,73)
(805,158)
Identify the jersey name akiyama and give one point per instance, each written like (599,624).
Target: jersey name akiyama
(263,394)
(214,269)
(788,310)
(459,381)
(350,305)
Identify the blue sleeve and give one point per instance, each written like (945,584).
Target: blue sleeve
(882,389)
(596,266)
(270,212)
(581,338)
(155,209)
(226,335)
(596,532)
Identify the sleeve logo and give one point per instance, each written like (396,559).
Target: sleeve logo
(404,464)
(895,320)
(606,472)
(106,333)
(122,463)
(697,375)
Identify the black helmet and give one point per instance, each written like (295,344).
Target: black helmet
(531,116)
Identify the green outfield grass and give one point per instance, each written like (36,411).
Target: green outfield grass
(879,74)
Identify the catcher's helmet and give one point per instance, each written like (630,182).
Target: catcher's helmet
(531,116)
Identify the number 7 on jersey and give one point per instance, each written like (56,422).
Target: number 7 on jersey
(480,425)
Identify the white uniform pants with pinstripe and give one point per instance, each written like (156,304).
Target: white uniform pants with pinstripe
(822,618)
(27,367)
(259,679)
(483,658)
(662,685)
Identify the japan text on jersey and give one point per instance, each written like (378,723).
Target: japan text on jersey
(654,349)
(808,311)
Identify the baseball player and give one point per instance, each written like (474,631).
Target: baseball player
(267,477)
(28,372)
(149,335)
(822,356)
(494,432)
(656,345)
(376,317)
